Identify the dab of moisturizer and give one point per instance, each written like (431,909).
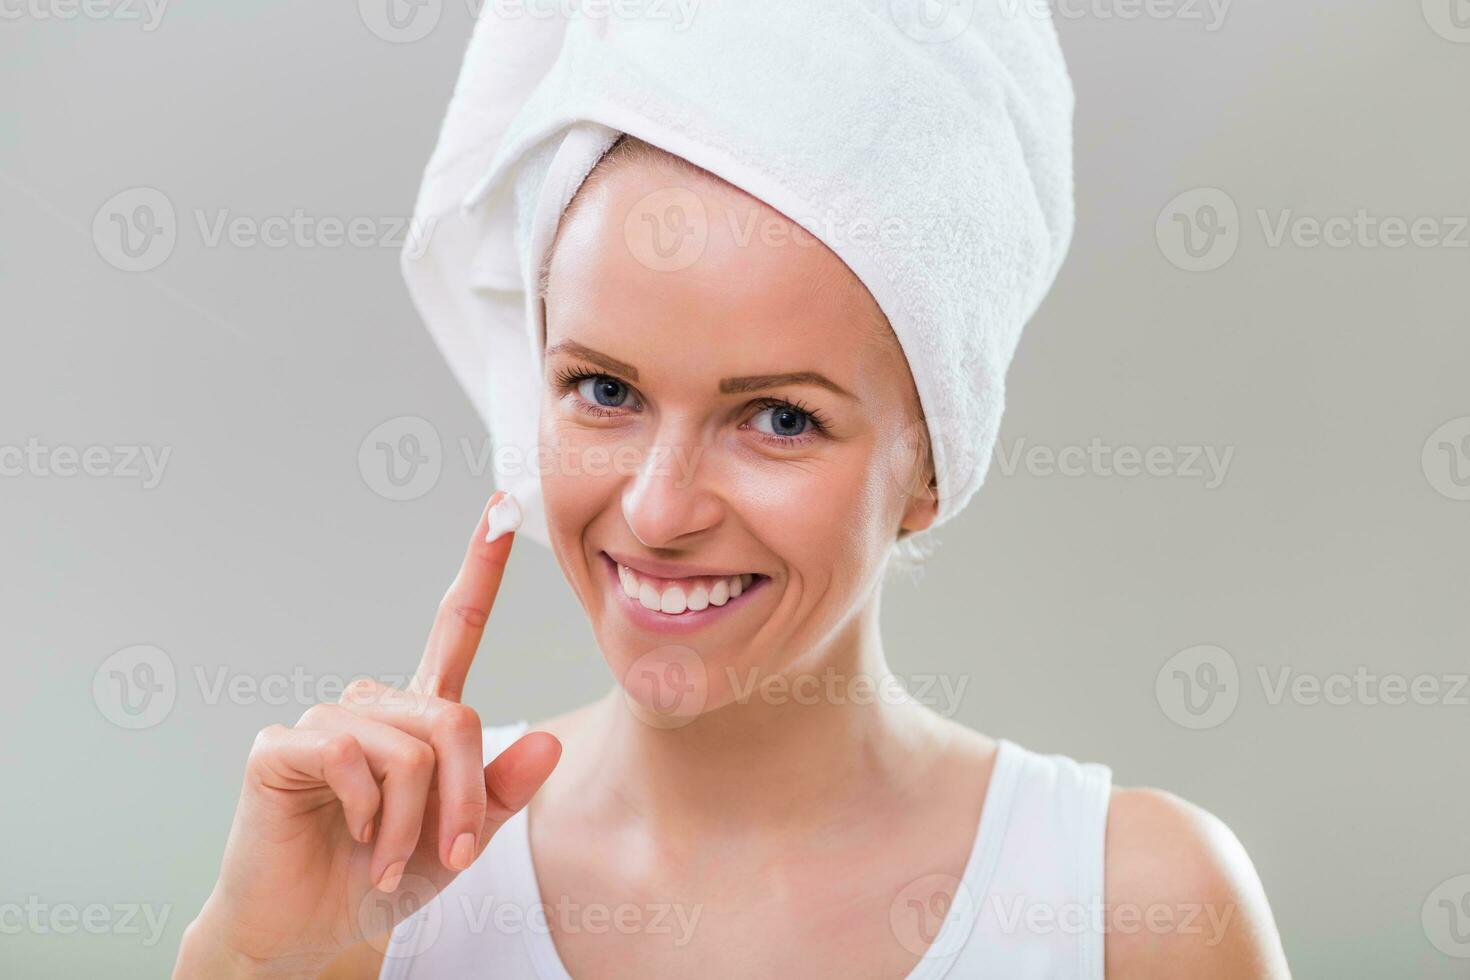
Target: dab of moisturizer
(504,517)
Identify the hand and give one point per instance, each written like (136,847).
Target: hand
(384,792)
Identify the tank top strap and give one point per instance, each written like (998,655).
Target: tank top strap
(1039,908)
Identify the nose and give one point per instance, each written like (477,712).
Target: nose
(666,502)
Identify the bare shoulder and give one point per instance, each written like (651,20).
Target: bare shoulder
(1183,898)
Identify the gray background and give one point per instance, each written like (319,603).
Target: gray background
(1333,543)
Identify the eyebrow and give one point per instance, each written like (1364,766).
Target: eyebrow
(756,382)
(596,357)
(728,386)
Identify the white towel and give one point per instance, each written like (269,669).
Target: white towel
(943,124)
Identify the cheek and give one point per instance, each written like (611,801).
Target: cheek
(825,519)
(579,472)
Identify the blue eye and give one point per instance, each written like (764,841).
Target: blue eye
(785,421)
(600,389)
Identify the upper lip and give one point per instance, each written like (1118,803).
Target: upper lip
(671,569)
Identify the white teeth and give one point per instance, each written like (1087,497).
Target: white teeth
(676,599)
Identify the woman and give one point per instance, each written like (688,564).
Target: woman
(738,446)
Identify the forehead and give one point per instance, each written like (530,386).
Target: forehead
(678,269)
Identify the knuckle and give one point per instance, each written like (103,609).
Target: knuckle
(455,719)
(469,811)
(415,756)
(466,612)
(341,750)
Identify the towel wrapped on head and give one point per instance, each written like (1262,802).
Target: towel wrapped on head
(933,137)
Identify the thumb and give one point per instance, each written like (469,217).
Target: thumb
(514,776)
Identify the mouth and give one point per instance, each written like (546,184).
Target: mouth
(678,604)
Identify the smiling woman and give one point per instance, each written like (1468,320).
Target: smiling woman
(732,434)
(763,368)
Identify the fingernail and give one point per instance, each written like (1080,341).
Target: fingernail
(504,517)
(367,831)
(392,875)
(462,854)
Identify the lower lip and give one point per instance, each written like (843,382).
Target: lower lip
(684,622)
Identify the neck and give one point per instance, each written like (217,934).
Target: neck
(788,754)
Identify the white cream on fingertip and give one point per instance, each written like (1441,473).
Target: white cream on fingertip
(504,517)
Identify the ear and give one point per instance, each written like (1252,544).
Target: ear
(922,509)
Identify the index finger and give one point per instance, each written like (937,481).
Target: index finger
(460,621)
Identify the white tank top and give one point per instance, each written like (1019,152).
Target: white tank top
(1029,905)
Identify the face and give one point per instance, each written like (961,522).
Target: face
(724,480)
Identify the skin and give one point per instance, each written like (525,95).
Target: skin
(799,823)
